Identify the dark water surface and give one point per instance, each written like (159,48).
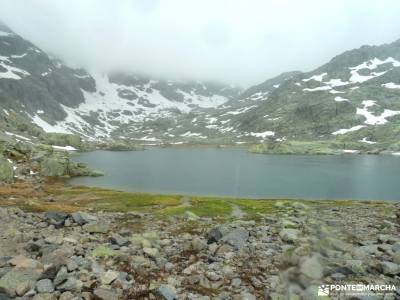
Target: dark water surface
(237,173)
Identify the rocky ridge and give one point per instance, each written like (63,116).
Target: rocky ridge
(350,103)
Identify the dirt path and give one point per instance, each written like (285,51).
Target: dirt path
(185,201)
(237,212)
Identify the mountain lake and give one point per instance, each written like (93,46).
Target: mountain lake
(234,172)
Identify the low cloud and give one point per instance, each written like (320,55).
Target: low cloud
(238,41)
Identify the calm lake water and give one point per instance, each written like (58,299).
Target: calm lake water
(237,173)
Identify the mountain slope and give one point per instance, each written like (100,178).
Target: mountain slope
(352,101)
(57,98)
(354,97)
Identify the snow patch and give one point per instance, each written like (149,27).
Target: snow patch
(262,134)
(320,88)
(19,56)
(81,76)
(371,65)
(66,148)
(344,131)
(365,140)
(3,33)
(349,151)
(336,92)
(340,99)
(17,136)
(372,119)
(11,71)
(316,77)
(48,127)
(391,85)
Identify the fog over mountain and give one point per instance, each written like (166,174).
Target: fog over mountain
(241,42)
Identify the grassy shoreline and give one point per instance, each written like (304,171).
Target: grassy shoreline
(61,197)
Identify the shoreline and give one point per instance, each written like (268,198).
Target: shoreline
(109,245)
(78,242)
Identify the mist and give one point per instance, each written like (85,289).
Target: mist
(243,42)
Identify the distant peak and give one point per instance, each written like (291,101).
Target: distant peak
(4,27)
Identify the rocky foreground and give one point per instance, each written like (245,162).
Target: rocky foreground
(282,255)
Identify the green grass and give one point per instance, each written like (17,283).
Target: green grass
(201,206)
(80,198)
(254,208)
(102,252)
(120,201)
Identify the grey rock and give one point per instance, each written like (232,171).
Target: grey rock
(6,171)
(190,216)
(108,277)
(69,285)
(61,276)
(396,247)
(97,227)
(54,166)
(166,292)
(389,268)
(312,268)
(396,258)
(386,238)
(4,271)
(24,278)
(45,296)
(72,265)
(58,257)
(4,296)
(104,294)
(83,218)
(289,235)
(215,234)
(119,240)
(236,282)
(152,252)
(247,296)
(66,296)
(45,286)
(55,217)
(236,238)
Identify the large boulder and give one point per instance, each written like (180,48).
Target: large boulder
(6,171)
(166,292)
(82,218)
(19,281)
(236,238)
(56,218)
(97,227)
(216,233)
(289,235)
(80,169)
(54,166)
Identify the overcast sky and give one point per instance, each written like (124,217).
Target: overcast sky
(236,41)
